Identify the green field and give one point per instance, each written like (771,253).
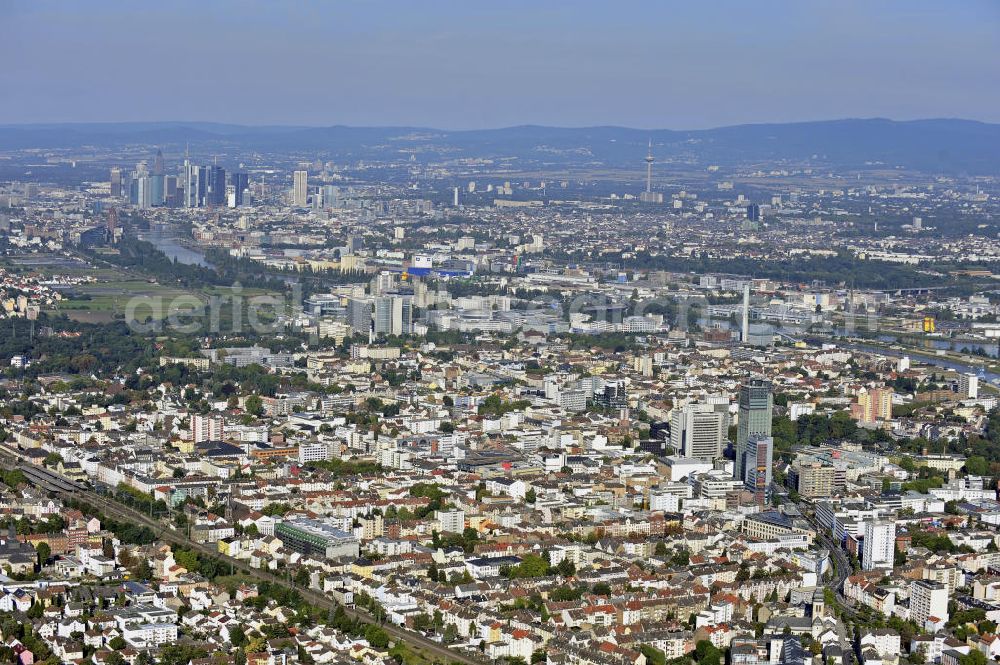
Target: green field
(144,300)
(119,291)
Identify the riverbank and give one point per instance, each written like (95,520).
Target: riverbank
(946,360)
(174,246)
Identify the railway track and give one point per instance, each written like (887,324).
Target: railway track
(51,481)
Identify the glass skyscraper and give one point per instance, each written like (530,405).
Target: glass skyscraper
(756,404)
(241,183)
(215,194)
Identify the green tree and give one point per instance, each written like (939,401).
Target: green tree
(566,568)
(707,653)
(977,466)
(377,637)
(44,553)
(187,559)
(653,655)
(255,405)
(531,565)
(237,637)
(974,657)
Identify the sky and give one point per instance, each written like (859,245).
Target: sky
(467,64)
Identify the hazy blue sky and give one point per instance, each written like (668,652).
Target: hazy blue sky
(466,63)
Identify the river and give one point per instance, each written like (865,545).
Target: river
(928,358)
(167,241)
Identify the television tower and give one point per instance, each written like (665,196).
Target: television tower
(649,168)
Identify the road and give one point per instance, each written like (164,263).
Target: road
(841,569)
(52,482)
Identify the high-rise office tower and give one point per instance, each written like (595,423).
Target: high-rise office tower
(215,192)
(331,196)
(156,189)
(202,186)
(756,402)
(300,188)
(190,185)
(393,315)
(158,163)
(116,182)
(381,315)
(241,183)
(758,460)
(134,189)
(171,192)
(753,212)
(359,314)
(698,430)
(144,192)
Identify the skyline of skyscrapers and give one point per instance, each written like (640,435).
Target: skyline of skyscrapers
(196,186)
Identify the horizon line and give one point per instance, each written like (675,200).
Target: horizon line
(109,123)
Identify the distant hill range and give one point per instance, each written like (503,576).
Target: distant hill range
(937,146)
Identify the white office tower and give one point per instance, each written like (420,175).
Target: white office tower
(903,364)
(300,188)
(968,386)
(879,545)
(455,197)
(191,184)
(698,430)
(144,199)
